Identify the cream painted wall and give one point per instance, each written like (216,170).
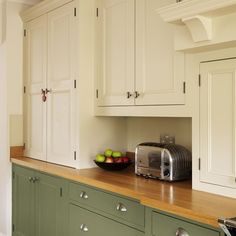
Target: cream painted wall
(149,130)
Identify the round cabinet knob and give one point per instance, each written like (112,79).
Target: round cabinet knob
(83,195)
(166,173)
(181,232)
(121,207)
(83,228)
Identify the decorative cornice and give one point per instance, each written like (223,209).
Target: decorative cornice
(188,8)
(26,2)
(42,8)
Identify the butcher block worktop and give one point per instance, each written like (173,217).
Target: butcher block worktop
(176,198)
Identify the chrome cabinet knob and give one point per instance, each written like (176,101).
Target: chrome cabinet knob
(83,228)
(35,179)
(83,195)
(121,207)
(30,179)
(181,232)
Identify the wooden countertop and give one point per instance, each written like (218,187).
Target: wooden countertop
(177,198)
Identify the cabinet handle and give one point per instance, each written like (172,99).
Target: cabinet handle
(129,95)
(48,91)
(30,179)
(136,94)
(181,232)
(44,97)
(121,207)
(83,195)
(35,179)
(83,228)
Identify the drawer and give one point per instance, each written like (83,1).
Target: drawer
(163,225)
(128,210)
(84,222)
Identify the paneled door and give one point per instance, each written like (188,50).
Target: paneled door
(61,81)
(23,202)
(35,42)
(217,122)
(115,48)
(160,70)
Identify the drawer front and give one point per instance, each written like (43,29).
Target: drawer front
(163,225)
(87,223)
(128,210)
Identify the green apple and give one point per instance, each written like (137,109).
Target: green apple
(117,154)
(108,152)
(100,158)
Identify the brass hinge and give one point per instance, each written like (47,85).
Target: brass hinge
(199,80)
(13,174)
(97,12)
(75,11)
(24,32)
(199,163)
(60,192)
(24,146)
(96,93)
(24,89)
(13,228)
(75,156)
(75,84)
(184,87)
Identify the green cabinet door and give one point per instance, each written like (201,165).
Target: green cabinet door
(23,202)
(87,223)
(50,206)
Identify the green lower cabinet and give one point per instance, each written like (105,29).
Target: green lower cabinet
(23,202)
(39,204)
(163,224)
(87,223)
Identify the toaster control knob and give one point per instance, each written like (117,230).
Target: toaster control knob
(166,173)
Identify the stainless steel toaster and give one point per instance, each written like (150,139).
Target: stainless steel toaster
(169,162)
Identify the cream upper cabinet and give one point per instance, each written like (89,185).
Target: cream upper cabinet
(50,49)
(137,63)
(60,83)
(160,70)
(217,123)
(35,73)
(116,52)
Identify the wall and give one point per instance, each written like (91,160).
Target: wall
(149,130)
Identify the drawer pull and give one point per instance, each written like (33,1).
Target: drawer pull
(83,195)
(83,228)
(181,232)
(121,207)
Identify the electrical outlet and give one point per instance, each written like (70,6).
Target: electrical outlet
(166,138)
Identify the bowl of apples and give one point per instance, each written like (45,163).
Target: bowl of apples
(112,160)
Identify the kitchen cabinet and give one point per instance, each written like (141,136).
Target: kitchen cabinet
(163,224)
(39,203)
(84,222)
(217,123)
(137,61)
(50,85)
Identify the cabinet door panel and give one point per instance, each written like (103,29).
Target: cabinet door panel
(50,210)
(23,202)
(35,58)
(159,69)
(116,49)
(61,76)
(217,122)
(84,222)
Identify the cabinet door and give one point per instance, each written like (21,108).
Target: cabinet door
(35,59)
(61,76)
(217,122)
(160,69)
(84,222)
(115,52)
(23,202)
(50,206)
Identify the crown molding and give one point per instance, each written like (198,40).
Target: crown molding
(26,2)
